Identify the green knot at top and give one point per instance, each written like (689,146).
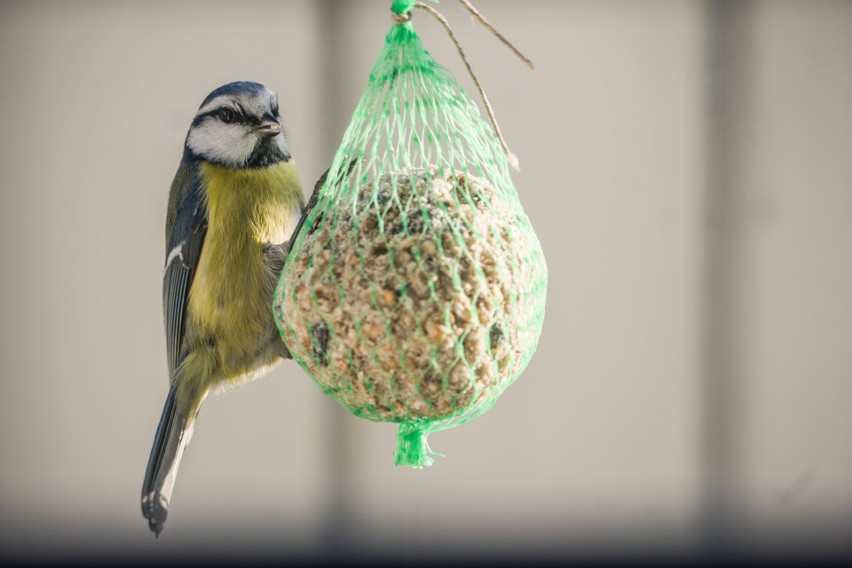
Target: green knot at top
(401,7)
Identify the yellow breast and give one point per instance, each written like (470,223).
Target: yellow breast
(231,295)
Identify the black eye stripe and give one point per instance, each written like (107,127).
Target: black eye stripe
(239,116)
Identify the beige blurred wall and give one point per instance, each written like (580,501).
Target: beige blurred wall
(629,132)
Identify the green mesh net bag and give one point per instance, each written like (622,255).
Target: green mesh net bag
(414,292)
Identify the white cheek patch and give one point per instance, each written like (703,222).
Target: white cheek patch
(228,144)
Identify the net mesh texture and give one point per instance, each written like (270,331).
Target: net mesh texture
(415,291)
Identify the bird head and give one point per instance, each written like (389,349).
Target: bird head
(238,126)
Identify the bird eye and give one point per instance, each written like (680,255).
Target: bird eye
(226,115)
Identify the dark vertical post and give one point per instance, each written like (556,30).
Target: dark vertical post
(721,418)
(337,515)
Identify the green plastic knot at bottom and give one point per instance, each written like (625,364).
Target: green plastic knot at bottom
(412,449)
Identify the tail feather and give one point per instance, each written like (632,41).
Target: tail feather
(172,437)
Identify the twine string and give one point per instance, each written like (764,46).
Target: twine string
(498,35)
(406,17)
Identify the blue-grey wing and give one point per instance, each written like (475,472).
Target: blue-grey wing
(186,228)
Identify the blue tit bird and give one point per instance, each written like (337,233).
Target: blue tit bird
(233,205)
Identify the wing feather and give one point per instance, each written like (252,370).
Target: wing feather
(185,232)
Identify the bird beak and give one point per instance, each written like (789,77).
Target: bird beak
(268,128)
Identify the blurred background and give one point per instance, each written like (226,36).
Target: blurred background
(687,166)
